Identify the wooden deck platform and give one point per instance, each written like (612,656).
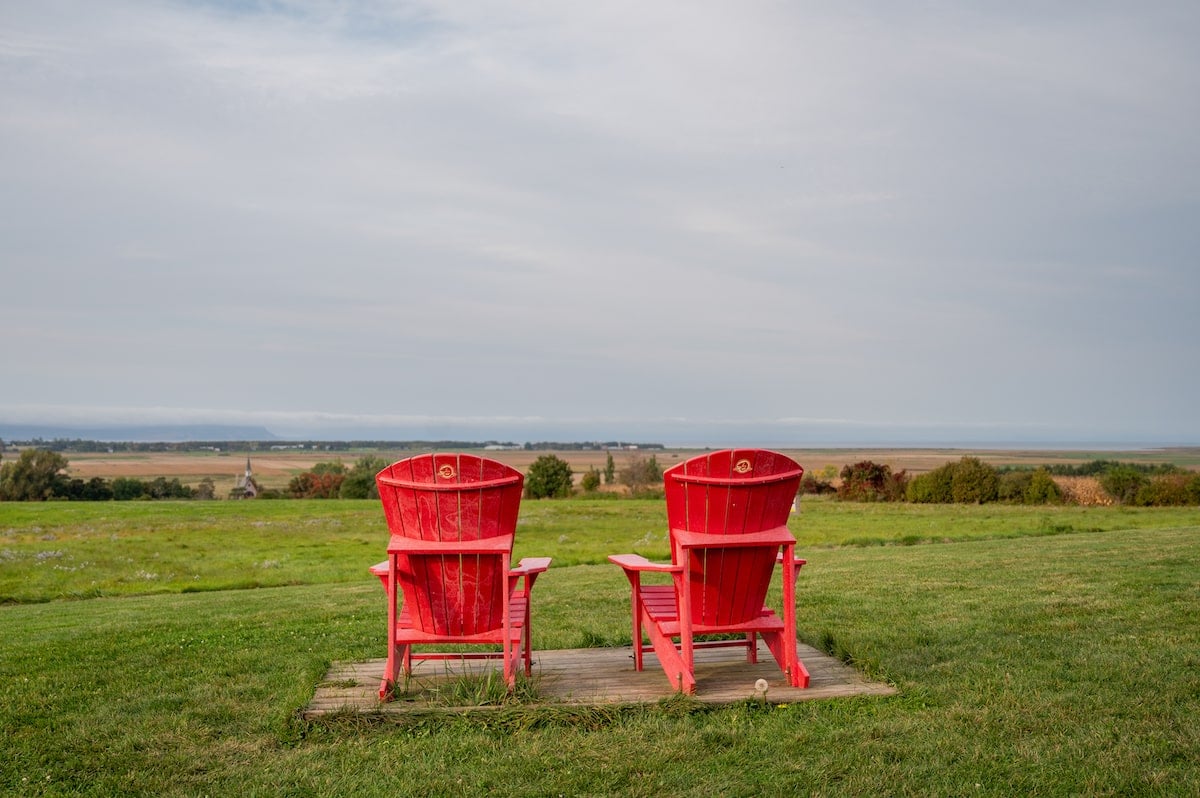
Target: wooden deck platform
(604,676)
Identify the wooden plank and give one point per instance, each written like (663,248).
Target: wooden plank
(601,677)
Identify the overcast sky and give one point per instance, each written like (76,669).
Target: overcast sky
(700,222)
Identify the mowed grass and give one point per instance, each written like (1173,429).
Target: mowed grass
(65,550)
(1051,651)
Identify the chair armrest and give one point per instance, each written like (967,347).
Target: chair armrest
(530,565)
(399,544)
(778,536)
(636,562)
(380,569)
(797,563)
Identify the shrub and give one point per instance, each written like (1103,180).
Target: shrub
(95,489)
(314,485)
(866,481)
(974,482)
(163,488)
(932,487)
(969,481)
(816,487)
(548,477)
(1096,468)
(1169,490)
(1014,486)
(360,481)
(641,475)
(128,488)
(1122,482)
(1042,489)
(591,480)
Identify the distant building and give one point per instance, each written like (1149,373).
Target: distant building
(246,487)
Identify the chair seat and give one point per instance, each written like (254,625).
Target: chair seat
(449,577)
(662,609)
(406,632)
(727,514)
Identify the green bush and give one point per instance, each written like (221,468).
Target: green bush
(360,481)
(1122,482)
(1042,489)
(969,481)
(127,489)
(1171,490)
(548,477)
(933,487)
(974,482)
(1014,486)
(1095,468)
(591,480)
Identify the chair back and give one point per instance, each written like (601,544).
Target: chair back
(730,492)
(447,498)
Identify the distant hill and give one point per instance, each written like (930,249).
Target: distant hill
(165,433)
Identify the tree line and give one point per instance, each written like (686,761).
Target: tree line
(972,481)
(39,475)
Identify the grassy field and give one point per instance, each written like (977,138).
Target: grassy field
(1049,651)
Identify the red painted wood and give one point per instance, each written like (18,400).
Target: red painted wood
(731,492)
(452,518)
(727,512)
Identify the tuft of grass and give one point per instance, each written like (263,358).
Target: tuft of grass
(486,688)
(589,638)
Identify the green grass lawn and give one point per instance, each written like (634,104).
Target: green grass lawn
(1051,651)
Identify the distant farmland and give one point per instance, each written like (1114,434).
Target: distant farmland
(274,468)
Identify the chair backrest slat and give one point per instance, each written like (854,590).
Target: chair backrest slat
(730,492)
(448,498)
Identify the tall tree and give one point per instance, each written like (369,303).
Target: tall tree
(34,476)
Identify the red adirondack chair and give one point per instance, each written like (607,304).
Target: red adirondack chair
(727,513)
(448,576)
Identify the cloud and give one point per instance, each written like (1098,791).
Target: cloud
(606,211)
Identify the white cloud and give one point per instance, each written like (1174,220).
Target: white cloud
(621,211)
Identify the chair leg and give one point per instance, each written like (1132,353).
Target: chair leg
(679,672)
(389,675)
(527,639)
(510,665)
(399,660)
(636,612)
(784,651)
